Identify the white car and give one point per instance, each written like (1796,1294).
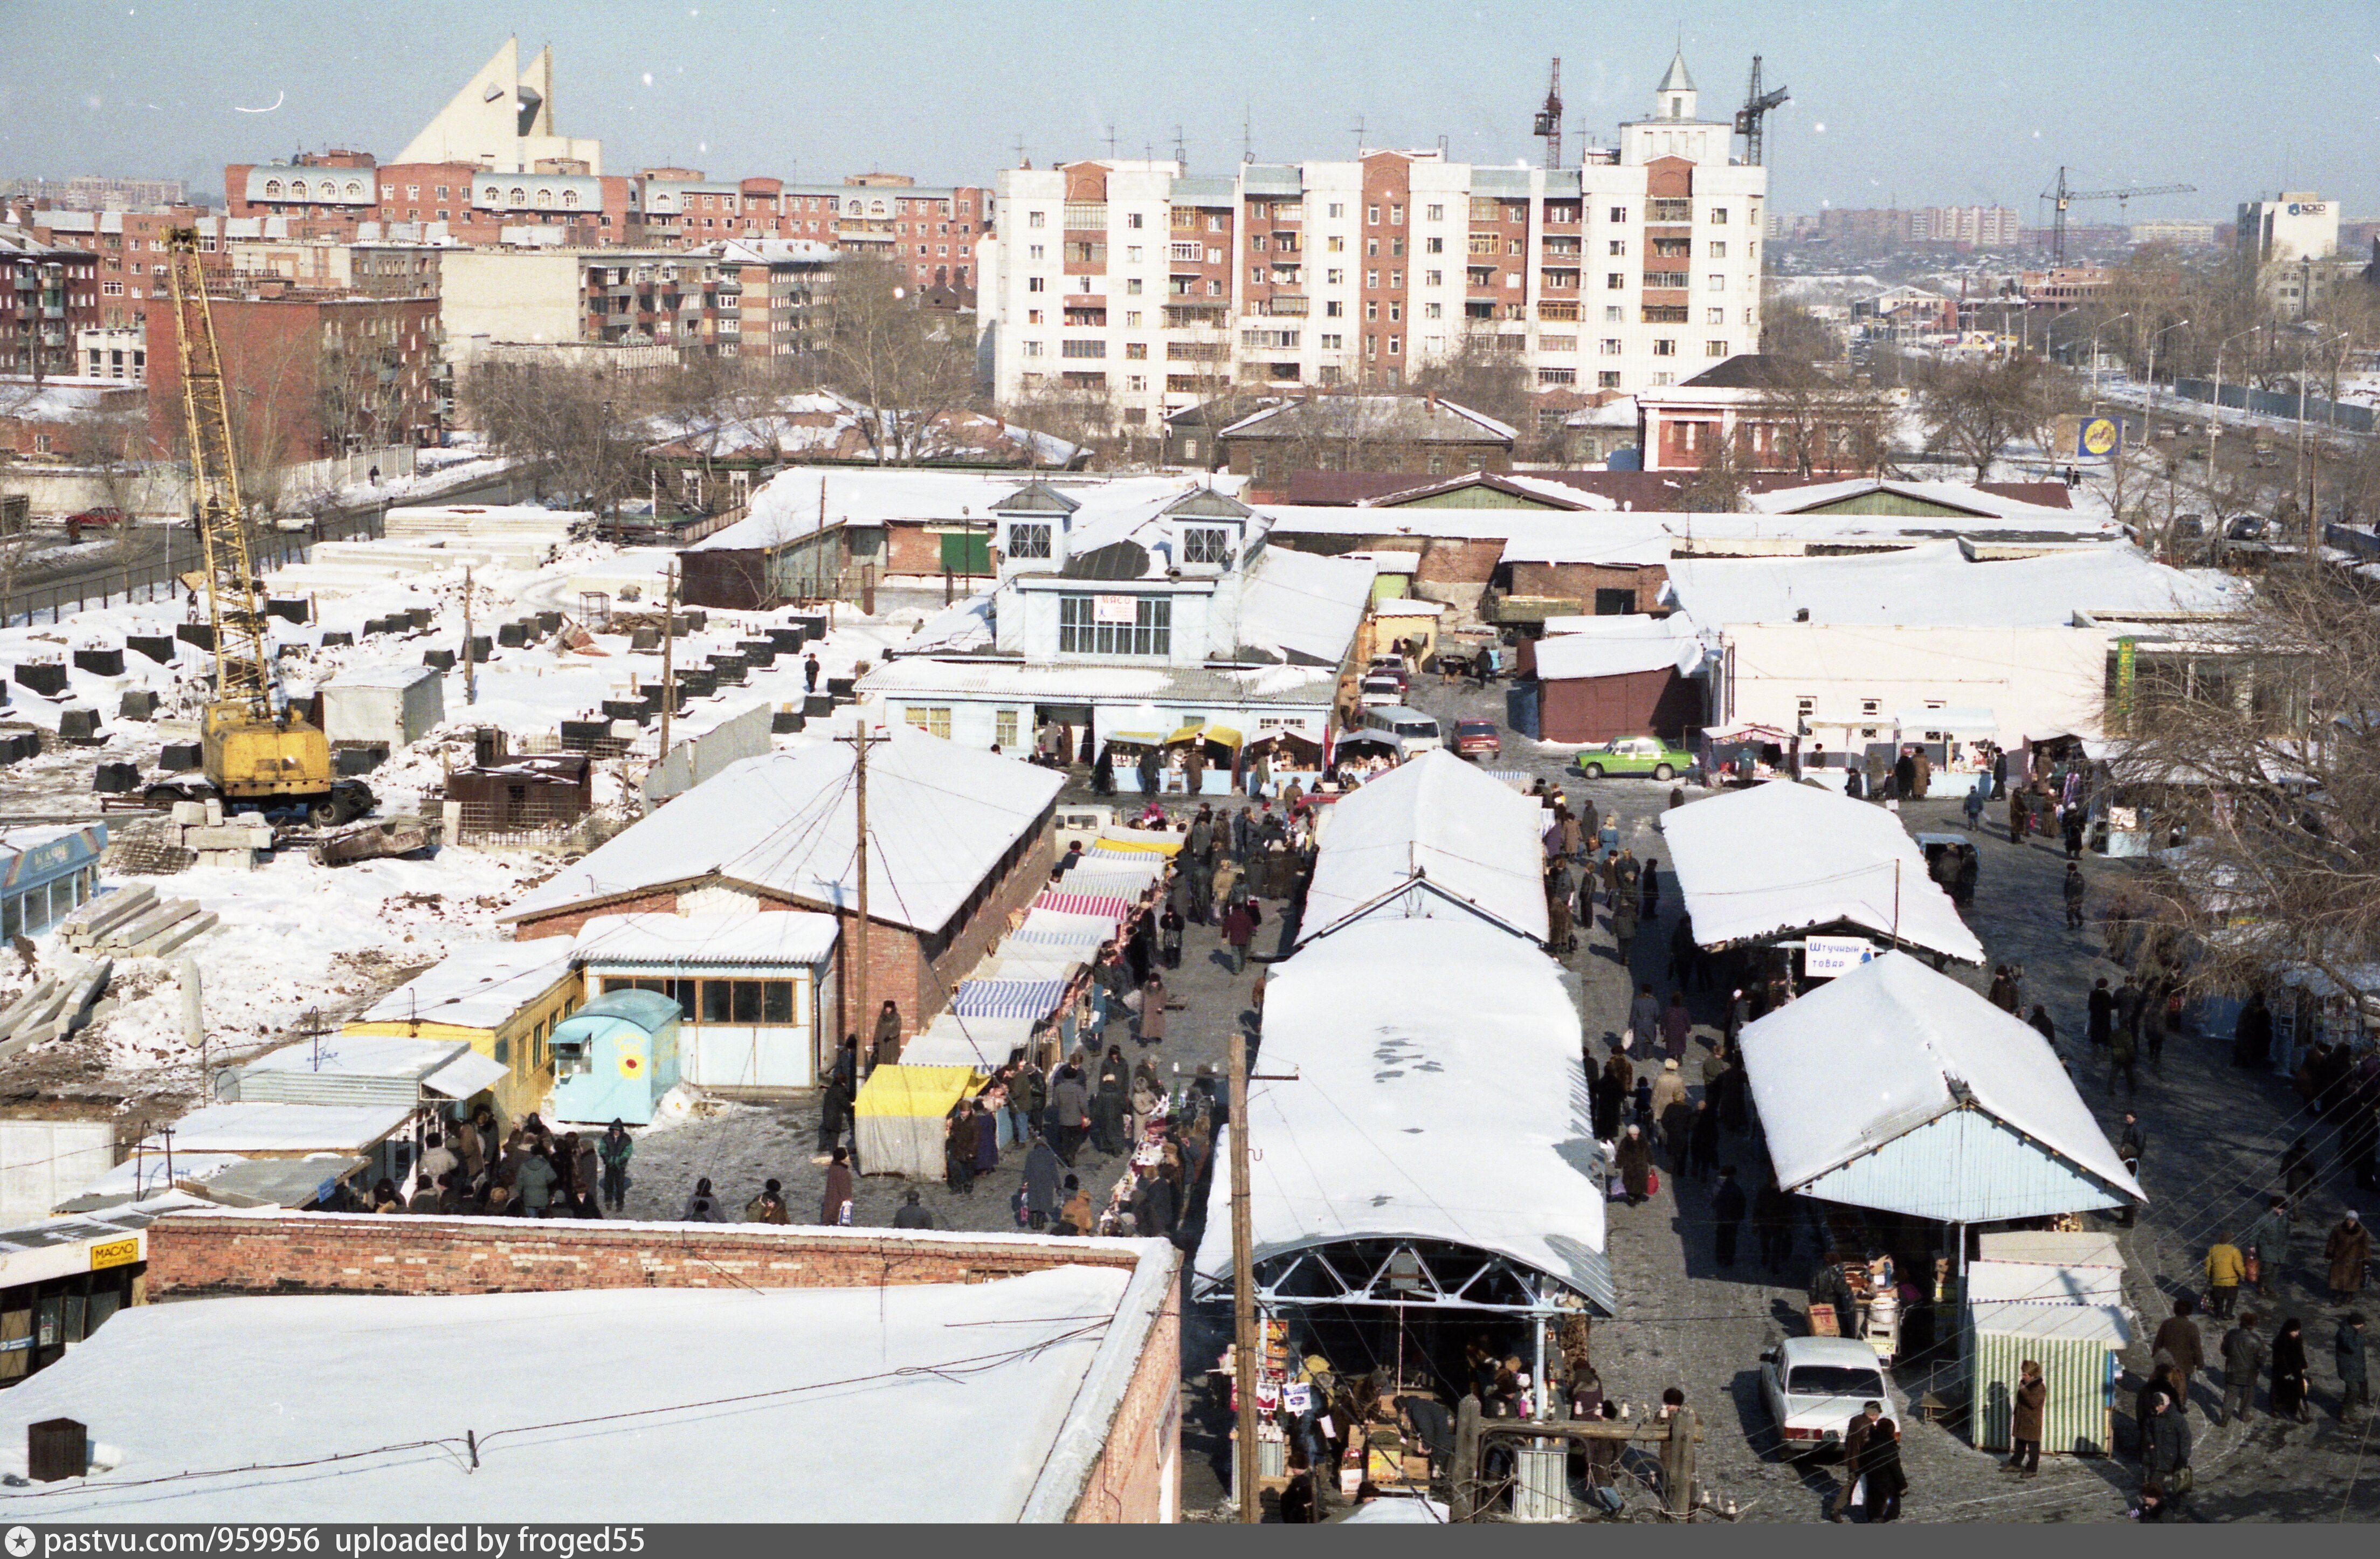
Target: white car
(1814,1385)
(1377,692)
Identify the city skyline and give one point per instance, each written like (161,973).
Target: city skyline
(949,96)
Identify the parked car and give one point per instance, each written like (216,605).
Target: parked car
(1477,739)
(1813,1386)
(1632,755)
(94,519)
(1378,690)
(2246,528)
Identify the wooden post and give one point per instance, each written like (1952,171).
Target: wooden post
(1678,1465)
(668,682)
(860,776)
(1462,1482)
(470,662)
(1245,1348)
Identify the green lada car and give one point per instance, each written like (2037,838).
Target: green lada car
(1632,755)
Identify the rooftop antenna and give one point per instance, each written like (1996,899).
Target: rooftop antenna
(1020,154)
(1111,143)
(1548,128)
(1247,135)
(1180,155)
(1359,135)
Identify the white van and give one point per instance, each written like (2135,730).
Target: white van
(1411,729)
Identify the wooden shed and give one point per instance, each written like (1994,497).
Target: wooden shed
(1593,688)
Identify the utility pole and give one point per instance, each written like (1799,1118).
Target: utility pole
(1244,1304)
(470,661)
(861,740)
(669,634)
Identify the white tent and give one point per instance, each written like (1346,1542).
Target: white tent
(1781,859)
(1899,1089)
(1437,1102)
(1432,837)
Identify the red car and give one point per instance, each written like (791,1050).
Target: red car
(1474,739)
(94,519)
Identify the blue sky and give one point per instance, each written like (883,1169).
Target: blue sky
(1916,103)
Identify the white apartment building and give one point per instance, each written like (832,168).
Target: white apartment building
(1156,288)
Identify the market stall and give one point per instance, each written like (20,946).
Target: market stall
(898,1125)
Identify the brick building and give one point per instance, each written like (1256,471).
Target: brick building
(960,837)
(48,294)
(312,374)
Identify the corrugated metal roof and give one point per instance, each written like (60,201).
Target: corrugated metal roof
(1196,687)
(1965,1168)
(1204,190)
(1500,182)
(1272,178)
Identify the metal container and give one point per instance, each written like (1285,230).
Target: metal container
(1541,1482)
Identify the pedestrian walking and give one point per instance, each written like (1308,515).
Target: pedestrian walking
(885,1047)
(2164,1446)
(1644,1019)
(2226,1266)
(1855,1438)
(810,672)
(1677,1026)
(2102,1020)
(1633,1158)
(1169,936)
(1702,1141)
(2243,1359)
(2123,1058)
(834,1197)
(2028,1408)
(2349,1251)
(911,1213)
(616,1150)
(1772,1224)
(2180,1339)
(2269,1245)
(1041,1175)
(1880,1471)
(2252,1036)
(2073,889)
(1727,1214)
(1239,927)
(2347,1353)
(1623,936)
(2289,1373)
(1677,1131)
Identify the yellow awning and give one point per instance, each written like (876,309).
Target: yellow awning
(1224,735)
(1152,843)
(1186,733)
(1135,739)
(915,1090)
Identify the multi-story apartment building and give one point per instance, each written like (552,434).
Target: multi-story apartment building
(49,294)
(739,298)
(1153,288)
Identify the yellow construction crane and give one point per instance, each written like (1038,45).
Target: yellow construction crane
(258,755)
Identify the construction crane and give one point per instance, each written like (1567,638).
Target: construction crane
(2065,197)
(1749,118)
(1550,129)
(257,755)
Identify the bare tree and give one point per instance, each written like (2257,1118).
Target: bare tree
(1792,334)
(908,365)
(1717,483)
(1976,410)
(2256,747)
(568,422)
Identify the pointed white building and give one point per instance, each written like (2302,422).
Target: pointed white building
(503,122)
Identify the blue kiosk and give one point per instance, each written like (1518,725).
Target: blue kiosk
(614,1057)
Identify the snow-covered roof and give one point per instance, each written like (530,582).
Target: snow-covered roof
(283,1129)
(821,424)
(1446,834)
(775,938)
(479,985)
(392,677)
(1300,607)
(1612,541)
(1398,419)
(1173,687)
(1963,496)
(362,1055)
(982,1402)
(1568,655)
(939,819)
(788,506)
(1783,858)
(1437,1097)
(1934,584)
(1624,624)
(1864,1061)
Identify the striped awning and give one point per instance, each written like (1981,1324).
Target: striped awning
(1085,883)
(1105,906)
(1008,998)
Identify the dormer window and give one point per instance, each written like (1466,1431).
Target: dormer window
(1206,543)
(1028,540)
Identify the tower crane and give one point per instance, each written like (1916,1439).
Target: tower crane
(2065,197)
(257,754)
(1748,119)
(1549,125)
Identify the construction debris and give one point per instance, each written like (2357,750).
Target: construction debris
(135,923)
(58,1003)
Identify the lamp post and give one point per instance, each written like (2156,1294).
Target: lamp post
(2148,412)
(2215,416)
(2094,355)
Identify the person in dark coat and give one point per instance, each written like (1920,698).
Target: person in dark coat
(1702,1141)
(2252,1037)
(1609,1094)
(1110,1102)
(1070,1106)
(2347,1352)
(834,1200)
(2165,1442)
(1042,1172)
(1855,1438)
(2103,1015)
(1677,1127)
(887,1038)
(2349,1251)
(1880,1465)
(2244,1360)
(2180,1339)
(911,1214)
(2289,1373)
(1772,1224)
(958,1147)
(1633,1158)
(987,1139)
(1727,1214)
(834,1111)
(1169,936)
(2028,1408)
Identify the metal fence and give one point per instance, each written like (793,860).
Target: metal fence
(156,579)
(2277,403)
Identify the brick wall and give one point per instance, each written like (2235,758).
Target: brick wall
(1460,561)
(570,921)
(1137,1478)
(1579,582)
(215,1254)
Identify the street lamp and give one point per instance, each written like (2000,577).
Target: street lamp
(2148,412)
(2094,355)
(2215,416)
